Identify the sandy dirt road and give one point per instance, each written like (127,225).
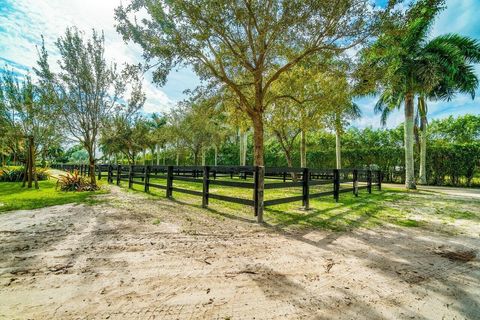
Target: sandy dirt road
(134,257)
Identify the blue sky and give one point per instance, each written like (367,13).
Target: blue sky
(23,21)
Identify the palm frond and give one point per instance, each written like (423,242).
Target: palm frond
(468,47)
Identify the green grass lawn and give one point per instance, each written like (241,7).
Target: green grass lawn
(366,210)
(14,197)
(387,207)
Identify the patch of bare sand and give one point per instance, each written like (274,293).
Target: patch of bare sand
(114,261)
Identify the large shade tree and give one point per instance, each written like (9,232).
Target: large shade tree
(260,40)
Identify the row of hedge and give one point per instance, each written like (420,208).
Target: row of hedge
(447,164)
(452,164)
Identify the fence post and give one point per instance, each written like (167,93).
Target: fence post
(119,173)
(169,181)
(259,177)
(380,176)
(109,174)
(130,177)
(99,172)
(306,189)
(336,184)
(146,180)
(206,174)
(355,182)
(369,181)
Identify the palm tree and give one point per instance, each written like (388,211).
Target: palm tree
(411,65)
(457,77)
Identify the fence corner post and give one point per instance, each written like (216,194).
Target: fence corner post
(146,180)
(169,181)
(355,182)
(205,189)
(306,189)
(258,187)
(369,181)
(336,184)
(130,177)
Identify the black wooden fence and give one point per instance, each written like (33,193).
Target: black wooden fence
(256,178)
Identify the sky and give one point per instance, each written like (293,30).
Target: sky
(22,22)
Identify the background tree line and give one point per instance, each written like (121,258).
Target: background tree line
(276,76)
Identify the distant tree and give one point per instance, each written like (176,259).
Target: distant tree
(128,135)
(28,118)
(88,89)
(463,129)
(338,120)
(158,137)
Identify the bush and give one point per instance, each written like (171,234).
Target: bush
(15,174)
(75,182)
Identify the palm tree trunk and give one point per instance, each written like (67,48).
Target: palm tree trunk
(423,141)
(338,151)
(409,138)
(158,155)
(423,156)
(303,149)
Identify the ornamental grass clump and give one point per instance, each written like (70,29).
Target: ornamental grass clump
(73,181)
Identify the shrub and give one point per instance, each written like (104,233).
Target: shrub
(15,174)
(75,182)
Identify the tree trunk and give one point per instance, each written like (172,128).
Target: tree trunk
(423,143)
(409,138)
(144,157)
(243,147)
(91,160)
(303,149)
(158,155)
(258,139)
(25,172)
(203,157)
(178,159)
(216,155)
(338,151)
(240,146)
(30,161)
(35,177)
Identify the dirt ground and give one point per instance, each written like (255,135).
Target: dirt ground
(134,257)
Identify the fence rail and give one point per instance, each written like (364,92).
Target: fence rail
(255,178)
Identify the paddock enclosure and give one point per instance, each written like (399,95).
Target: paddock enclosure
(253,186)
